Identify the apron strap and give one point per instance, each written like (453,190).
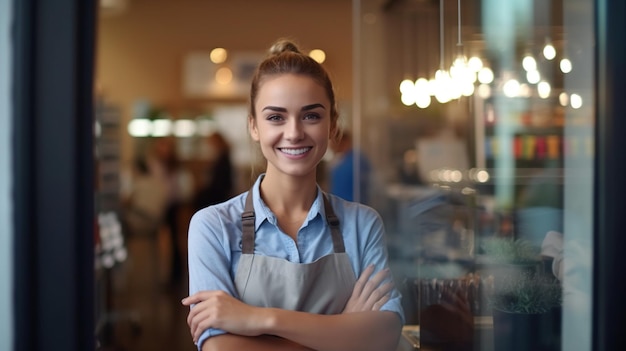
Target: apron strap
(248,219)
(247,226)
(333,222)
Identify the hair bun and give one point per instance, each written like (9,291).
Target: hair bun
(283,45)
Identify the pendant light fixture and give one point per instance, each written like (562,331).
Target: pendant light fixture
(442,77)
(460,72)
(407,86)
(422,87)
(458,80)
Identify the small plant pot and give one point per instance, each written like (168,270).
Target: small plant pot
(514,331)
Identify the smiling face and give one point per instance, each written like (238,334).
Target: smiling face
(292,124)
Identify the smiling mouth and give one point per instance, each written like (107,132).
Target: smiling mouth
(296,151)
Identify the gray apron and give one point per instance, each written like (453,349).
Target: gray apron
(322,287)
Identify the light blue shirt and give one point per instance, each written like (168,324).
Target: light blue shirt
(215,242)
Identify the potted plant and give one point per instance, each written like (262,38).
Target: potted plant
(524,301)
(527,293)
(507,257)
(526,312)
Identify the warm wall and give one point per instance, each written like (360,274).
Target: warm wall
(140,50)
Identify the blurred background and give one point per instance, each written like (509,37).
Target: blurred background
(472,121)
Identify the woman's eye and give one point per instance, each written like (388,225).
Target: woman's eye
(274,118)
(312,116)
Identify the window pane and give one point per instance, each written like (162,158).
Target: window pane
(478,120)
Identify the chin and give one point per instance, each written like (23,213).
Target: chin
(297,171)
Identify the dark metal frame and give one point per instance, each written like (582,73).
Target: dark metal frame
(52,87)
(609,293)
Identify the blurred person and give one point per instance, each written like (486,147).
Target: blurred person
(409,169)
(144,199)
(275,268)
(342,170)
(164,164)
(217,184)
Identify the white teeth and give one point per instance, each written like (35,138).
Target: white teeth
(296,151)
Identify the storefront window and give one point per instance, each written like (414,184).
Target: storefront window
(478,119)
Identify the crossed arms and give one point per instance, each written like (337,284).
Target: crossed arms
(361,326)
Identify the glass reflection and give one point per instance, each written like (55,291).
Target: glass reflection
(503,223)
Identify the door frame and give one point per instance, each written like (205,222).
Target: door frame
(610,188)
(52,166)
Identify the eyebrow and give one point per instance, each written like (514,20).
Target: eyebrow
(312,106)
(304,108)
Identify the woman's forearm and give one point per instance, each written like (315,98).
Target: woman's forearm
(362,331)
(232,342)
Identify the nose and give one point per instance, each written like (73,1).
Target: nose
(294,130)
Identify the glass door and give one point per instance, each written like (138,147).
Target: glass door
(479,120)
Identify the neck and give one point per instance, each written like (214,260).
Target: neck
(287,194)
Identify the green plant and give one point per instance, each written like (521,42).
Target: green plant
(507,250)
(526,292)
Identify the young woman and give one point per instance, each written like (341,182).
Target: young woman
(275,268)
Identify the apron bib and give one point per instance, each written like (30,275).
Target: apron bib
(322,287)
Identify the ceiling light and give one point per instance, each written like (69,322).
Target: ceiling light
(318,55)
(218,55)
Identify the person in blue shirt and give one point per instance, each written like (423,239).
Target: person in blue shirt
(276,267)
(342,176)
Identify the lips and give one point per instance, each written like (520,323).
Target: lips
(295,151)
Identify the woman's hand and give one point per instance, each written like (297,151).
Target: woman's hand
(217,309)
(368,294)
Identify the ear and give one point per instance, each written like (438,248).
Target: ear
(254,132)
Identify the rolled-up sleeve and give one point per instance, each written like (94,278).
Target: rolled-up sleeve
(365,240)
(209,259)
(375,252)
